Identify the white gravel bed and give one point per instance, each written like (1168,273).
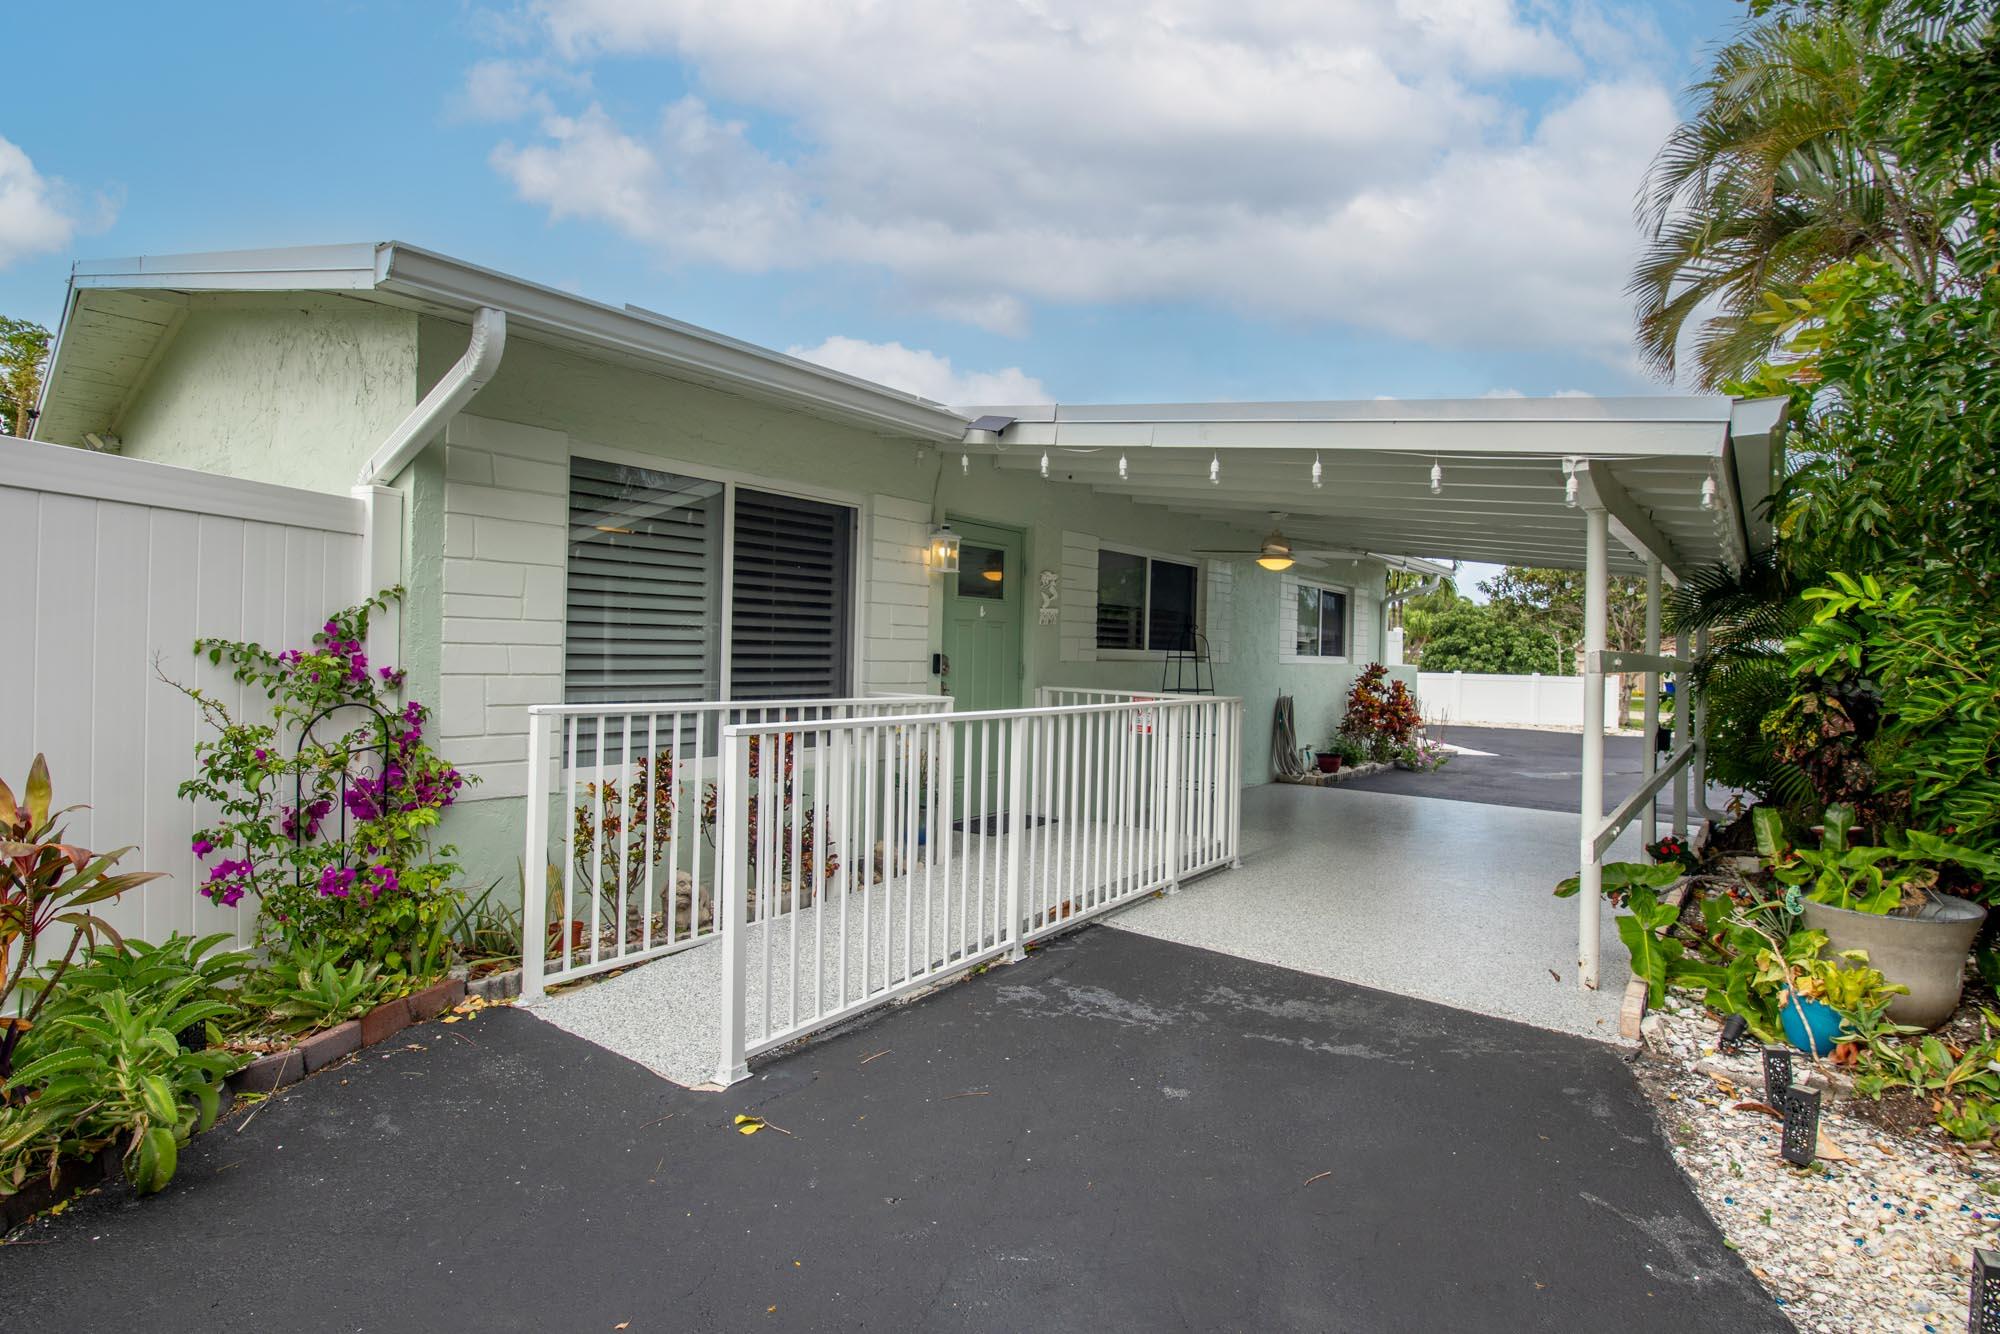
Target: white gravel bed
(1881,1242)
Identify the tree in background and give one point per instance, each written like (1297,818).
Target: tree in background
(1468,637)
(24,352)
(1786,169)
(1416,613)
(1549,604)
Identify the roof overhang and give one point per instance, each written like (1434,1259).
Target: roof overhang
(122,314)
(1684,478)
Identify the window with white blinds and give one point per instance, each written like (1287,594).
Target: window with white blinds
(647,551)
(788,632)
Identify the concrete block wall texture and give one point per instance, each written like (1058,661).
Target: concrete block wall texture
(506,504)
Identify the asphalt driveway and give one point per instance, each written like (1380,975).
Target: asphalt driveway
(1538,770)
(1120,1133)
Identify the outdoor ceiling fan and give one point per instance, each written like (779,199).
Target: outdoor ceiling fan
(1276,553)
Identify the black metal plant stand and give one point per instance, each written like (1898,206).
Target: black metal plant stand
(1187,668)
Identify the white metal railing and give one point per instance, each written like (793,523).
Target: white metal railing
(861,858)
(632,787)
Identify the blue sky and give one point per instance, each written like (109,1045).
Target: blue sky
(1202,199)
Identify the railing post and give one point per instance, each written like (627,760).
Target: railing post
(534,879)
(1017,826)
(1236,786)
(1169,731)
(732,905)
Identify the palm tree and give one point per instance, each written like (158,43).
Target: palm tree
(1768,184)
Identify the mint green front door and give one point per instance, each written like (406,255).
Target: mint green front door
(983,606)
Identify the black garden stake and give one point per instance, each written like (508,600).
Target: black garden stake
(1777,1074)
(1984,1317)
(1731,1038)
(1801,1109)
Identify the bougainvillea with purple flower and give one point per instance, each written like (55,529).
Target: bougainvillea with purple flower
(326,812)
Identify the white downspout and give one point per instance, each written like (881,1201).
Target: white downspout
(1596,531)
(447,396)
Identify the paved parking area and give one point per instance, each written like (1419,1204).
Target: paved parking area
(1119,1133)
(1451,901)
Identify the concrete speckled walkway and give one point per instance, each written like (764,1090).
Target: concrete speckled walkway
(1449,901)
(1116,1134)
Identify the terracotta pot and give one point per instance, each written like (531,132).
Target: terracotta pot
(1925,951)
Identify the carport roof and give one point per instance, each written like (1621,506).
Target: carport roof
(1684,478)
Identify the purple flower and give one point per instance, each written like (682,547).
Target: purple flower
(383,880)
(202,847)
(262,754)
(336,881)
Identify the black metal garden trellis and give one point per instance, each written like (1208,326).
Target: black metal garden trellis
(302,827)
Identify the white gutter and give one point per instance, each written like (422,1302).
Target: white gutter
(447,396)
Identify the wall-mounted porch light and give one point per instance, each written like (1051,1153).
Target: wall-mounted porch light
(942,553)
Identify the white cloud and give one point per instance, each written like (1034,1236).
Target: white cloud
(1345,161)
(923,373)
(37,213)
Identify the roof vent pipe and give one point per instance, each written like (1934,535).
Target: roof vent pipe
(447,396)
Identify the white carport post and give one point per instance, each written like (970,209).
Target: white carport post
(1597,533)
(1683,719)
(1649,763)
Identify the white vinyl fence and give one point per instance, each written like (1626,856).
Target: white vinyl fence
(115,567)
(1498,700)
(863,858)
(630,873)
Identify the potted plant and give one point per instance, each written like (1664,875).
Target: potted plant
(1882,903)
(1329,757)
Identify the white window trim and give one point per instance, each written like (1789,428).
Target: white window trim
(1146,613)
(1288,648)
(859,535)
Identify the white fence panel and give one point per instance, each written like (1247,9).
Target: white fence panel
(118,566)
(1501,700)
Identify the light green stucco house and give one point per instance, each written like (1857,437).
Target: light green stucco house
(603,503)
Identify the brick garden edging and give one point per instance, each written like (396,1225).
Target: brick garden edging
(268,1074)
(274,1070)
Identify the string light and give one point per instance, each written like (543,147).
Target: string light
(1708,493)
(1569,491)
(1045,465)
(1318,475)
(1215,470)
(1122,472)
(965,465)
(1437,477)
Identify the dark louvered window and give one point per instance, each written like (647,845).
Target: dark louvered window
(789,631)
(646,557)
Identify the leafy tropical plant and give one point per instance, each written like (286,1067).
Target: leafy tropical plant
(1381,714)
(46,885)
(144,974)
(116,1074)
(1938,668)
(335,837)
(1779,175)
(310,988)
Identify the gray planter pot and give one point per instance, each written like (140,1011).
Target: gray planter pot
(1925,951)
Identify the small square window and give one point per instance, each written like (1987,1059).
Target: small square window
(1322,631)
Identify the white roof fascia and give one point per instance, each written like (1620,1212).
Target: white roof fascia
(410,273)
